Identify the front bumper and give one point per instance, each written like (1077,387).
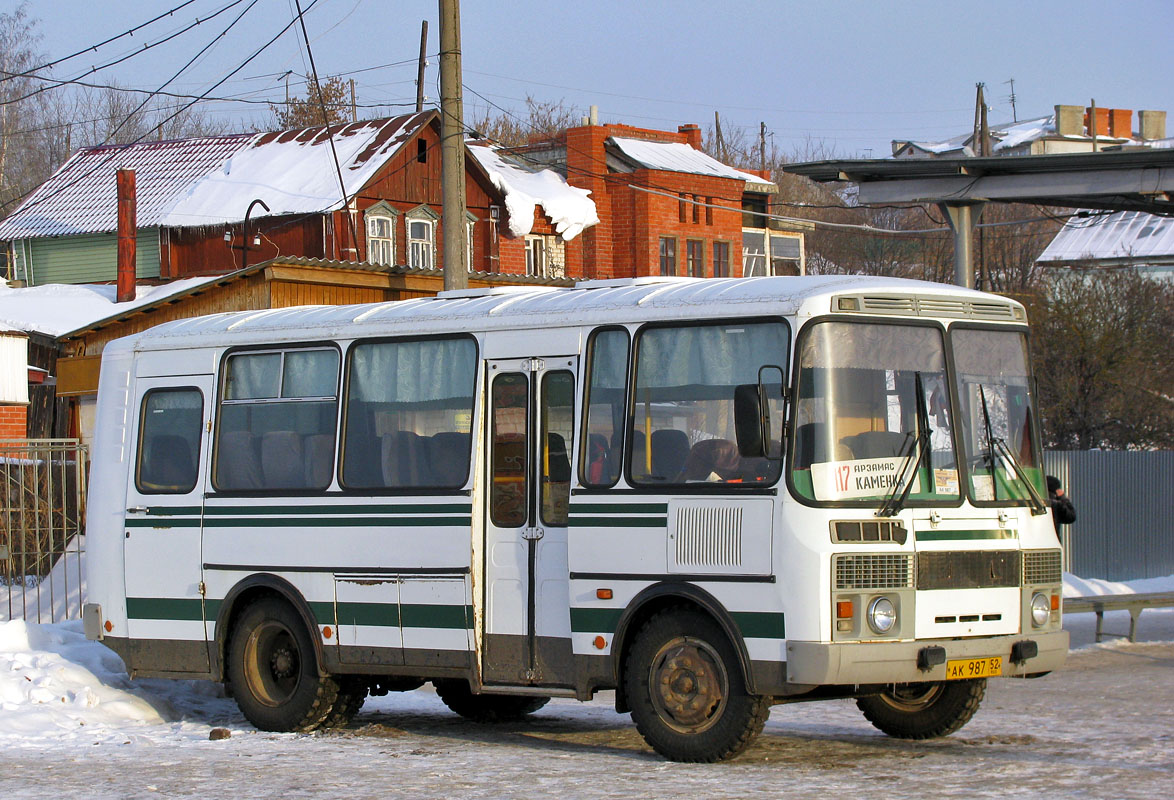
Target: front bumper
(856,663)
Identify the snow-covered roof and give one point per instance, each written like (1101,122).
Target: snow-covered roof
(211,180)
(1121,235)
(591,302)
(56,309)
(570,209)
(1007,136)
(679,157)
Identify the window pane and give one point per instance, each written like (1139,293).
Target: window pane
(310,373)
(409,414)
(558,420)
(420,230)
(508,462)
(250,377)
(683,419)
(753,253)
(668,256)
(721,259)
(606,395)
(169,441)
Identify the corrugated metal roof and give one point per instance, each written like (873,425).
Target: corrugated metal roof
(211,180)
(80,197)
(1131,235)
(679,157)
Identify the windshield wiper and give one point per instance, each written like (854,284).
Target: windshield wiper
(1037,503)
(901,488)
(997,448)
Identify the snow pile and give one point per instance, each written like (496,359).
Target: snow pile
(293,172)
(1085,587)
(570,209)
(56,309)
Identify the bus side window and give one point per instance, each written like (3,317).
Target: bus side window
(169,441)
(602,445)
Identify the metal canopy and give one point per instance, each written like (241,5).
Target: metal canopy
(1140,179)
(1125,180)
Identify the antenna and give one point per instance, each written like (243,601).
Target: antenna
(1014,116)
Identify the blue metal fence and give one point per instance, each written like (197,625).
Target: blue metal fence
(1124,501)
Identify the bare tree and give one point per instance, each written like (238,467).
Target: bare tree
(333,95)
(543,120)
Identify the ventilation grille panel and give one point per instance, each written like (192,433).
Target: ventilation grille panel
(1041,566)
(968,569)
(873,571)
(709,536)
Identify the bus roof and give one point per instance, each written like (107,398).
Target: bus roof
(587,303)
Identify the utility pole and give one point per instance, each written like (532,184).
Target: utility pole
(1014,115)
(354,103)
(1092,124)
(762,145)
(420,69)
(721,143)
(452,147)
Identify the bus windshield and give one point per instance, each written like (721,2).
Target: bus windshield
(872,397)
(996,417)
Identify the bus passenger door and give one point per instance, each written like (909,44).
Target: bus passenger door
(168,459)
(530,432)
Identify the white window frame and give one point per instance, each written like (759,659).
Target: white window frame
(421,251)
(380,211)
(470,222)
(763,264)
(536,256)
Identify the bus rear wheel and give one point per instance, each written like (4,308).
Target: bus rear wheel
(486,707)
(686,691)
(923,710)
(273,670)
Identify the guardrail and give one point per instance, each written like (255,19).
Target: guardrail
(1133,603)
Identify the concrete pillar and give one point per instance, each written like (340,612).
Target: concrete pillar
(961,217)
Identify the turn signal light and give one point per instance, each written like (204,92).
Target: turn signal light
(844,609)
(1055,602)
(109,626)
(603,594)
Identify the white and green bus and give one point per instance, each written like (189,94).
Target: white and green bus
(711,496)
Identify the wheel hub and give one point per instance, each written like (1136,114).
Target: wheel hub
(689,687)
(281,663)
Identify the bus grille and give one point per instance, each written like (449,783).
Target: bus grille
(1041,566)
(873,571)
(978,569)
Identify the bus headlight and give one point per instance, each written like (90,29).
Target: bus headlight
(882,615)
(1041,609)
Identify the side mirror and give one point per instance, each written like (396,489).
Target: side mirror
(748,421)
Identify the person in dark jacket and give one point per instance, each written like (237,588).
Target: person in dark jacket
(1063,513)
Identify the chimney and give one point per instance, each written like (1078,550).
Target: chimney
(127,227)
(1068,120)
(1102,121)
(1152,124)
(692,135)
(1121,123)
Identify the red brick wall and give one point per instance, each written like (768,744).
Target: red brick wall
(13,422)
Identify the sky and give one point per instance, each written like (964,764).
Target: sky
(829,79)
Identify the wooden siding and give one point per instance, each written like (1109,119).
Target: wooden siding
(90,258)
(203,251)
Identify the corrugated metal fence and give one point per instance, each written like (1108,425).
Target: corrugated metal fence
(1124,501)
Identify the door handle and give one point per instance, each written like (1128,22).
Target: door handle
(136,510)
(532,534)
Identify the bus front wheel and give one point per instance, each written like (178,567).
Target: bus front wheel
(686,691)
(273,670)
(923,710)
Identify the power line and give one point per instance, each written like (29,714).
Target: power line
(116,61)
(94,47)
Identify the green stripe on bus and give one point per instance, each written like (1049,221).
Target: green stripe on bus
(323,612)
(760,624)
(419,615)
(166,522)
(619,508)
(337,522)
(385,614)
(595,620)
(173,511)
(405,508)
(187,609)
(617,522)
(944,536)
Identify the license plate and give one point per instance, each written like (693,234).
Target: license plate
(974,668)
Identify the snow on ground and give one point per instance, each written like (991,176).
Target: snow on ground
(72,723)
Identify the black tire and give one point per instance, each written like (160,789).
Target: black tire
(923,710)
(487,708)
(686,691)
(352,692)
(273,669)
